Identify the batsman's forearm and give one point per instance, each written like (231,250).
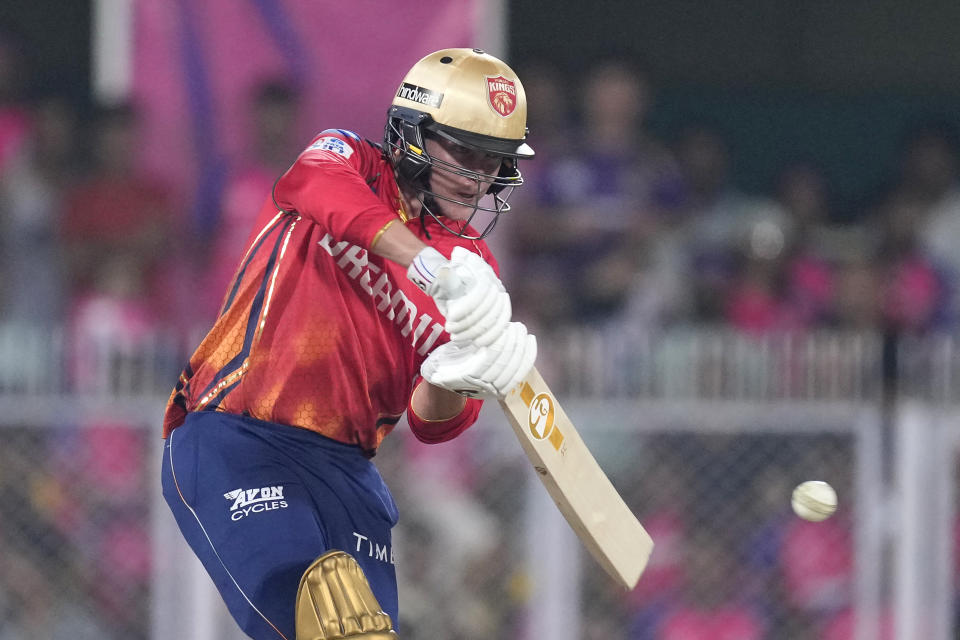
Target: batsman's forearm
(395,242)
(434,404)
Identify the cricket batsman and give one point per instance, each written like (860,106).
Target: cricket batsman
(366,291)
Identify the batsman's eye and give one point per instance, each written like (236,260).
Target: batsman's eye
(486,162)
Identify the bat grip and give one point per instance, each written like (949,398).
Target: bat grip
(451,285)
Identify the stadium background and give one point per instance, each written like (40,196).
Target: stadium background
(704,413)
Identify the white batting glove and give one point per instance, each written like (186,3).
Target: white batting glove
(473,301)
(483,372)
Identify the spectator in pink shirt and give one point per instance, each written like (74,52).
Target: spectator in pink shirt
(784,281)
(121,218)
(708,612)
(816,559)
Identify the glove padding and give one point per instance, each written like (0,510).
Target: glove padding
(483,371)
(473,301)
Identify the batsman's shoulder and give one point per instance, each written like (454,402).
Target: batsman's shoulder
(343,134)
(340,145)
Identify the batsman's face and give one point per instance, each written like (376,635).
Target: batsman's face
(462,188)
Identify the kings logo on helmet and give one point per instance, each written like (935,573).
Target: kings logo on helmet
(502,94)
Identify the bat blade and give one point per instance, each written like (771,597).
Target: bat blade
(581,490)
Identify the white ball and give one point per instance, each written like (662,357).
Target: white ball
(814,500)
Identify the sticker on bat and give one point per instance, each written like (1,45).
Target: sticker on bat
(542,420)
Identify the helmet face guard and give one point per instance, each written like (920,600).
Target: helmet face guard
(471,99)
(405,141)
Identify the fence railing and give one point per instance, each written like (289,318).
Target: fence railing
(706,363)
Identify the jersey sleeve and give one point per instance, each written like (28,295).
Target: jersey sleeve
(328,185)
(437,431)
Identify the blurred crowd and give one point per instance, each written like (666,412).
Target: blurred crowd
(93,241)
(620,228)
(616,229)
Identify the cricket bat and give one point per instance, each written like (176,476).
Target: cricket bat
(577,484)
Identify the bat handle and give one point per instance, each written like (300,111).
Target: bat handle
(451,285)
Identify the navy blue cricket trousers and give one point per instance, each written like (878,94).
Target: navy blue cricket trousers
(258,502)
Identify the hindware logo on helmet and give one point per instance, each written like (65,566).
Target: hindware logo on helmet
(412,92)
(502,95)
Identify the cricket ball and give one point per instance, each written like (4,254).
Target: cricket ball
(814,500)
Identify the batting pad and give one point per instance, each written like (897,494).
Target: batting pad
(334,600)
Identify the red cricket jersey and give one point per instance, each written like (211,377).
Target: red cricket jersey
(315,330)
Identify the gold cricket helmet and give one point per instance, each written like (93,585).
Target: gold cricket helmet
(472,97)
